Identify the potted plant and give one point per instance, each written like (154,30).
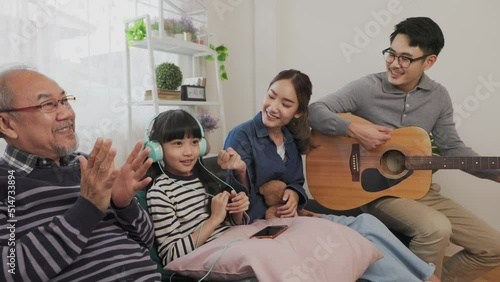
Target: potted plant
(182,28)
(188,28)
(155,28)
(169,26)
(208,122)
(168,76)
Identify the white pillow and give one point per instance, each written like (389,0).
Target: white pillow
(312,249)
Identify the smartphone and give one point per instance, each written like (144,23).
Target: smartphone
(270,232)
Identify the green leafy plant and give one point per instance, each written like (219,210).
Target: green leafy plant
(136,31)
(221,58)
(155,26)
(168,76)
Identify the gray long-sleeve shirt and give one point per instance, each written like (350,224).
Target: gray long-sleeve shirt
(373,98)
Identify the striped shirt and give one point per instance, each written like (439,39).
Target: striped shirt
(178,206)
(49,232)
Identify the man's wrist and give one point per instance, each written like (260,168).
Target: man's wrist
(116,207)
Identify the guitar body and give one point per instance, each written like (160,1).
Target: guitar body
(342,175)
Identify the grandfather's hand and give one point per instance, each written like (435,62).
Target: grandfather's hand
(98,174)
(129,177)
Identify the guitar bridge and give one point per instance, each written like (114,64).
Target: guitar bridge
(354,162)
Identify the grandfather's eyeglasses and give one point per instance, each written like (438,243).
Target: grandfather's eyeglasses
(46,106)
(403,61)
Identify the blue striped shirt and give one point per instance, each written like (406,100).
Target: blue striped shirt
(49,232)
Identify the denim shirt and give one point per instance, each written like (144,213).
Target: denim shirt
(251,140)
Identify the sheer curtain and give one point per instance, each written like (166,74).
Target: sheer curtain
(80,44)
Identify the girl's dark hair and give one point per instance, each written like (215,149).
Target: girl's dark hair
(423,32)
(178,124)
(299,126)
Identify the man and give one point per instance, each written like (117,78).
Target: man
(405,96)
(64,217)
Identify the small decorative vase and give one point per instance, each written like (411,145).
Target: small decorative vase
(188,36)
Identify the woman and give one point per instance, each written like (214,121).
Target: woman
(271,145)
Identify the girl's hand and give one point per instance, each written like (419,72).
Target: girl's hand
(289,209)
(239,203)
(218,207)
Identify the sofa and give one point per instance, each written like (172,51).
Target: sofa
(211,164)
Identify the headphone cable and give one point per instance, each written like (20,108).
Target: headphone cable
(211,173)
(219,257)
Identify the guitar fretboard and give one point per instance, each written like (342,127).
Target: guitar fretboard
(431,162)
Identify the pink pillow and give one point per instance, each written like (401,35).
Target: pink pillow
(312,249)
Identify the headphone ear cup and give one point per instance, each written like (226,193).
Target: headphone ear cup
(203,141)
(156,151)
(203,147)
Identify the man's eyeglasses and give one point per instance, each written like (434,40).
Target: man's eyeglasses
(46,106)
(403,61)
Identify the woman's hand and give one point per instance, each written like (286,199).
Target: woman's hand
(289,209)
(230,159)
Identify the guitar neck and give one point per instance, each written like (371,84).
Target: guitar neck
(465,163)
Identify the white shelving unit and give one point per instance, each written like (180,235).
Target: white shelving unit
(163,43)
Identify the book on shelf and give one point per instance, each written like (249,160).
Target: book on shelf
(163,95)
(195,81)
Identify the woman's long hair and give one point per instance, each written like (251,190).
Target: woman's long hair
(178,124)
(299,127)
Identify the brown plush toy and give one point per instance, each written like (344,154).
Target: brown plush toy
(273,195)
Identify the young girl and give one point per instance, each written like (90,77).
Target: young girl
(189,207)
(271,145)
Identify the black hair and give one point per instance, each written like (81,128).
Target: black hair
(299,127)
(423,32)
(178,124)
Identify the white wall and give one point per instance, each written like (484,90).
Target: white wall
(309,35)
(233,25)
(266,36)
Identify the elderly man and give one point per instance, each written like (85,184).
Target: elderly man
(64,217)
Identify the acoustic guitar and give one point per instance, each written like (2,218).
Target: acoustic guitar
(342,175)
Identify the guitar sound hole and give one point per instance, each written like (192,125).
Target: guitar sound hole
(393,162)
